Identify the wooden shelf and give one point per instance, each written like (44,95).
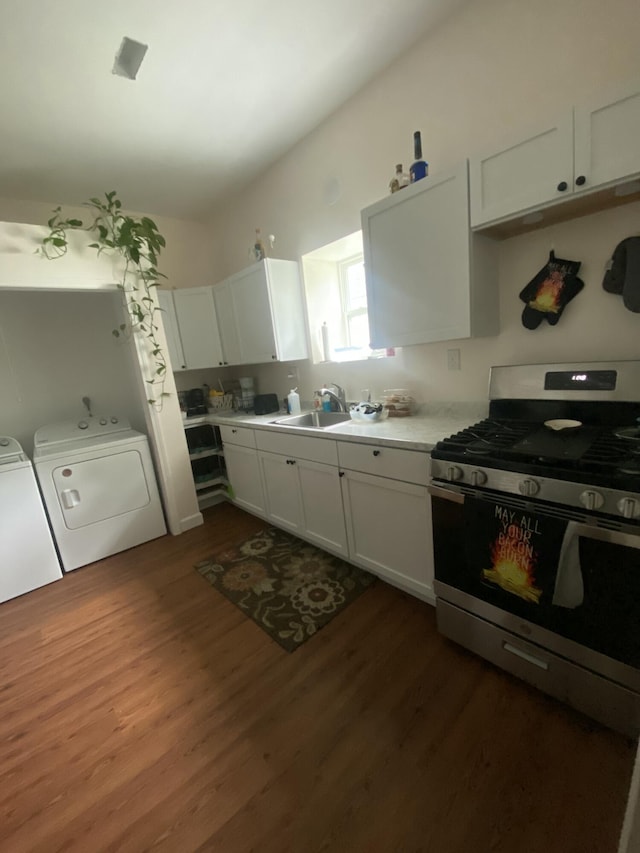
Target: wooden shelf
(208,484)
(202,454)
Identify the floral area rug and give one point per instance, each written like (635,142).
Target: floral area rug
(288,587)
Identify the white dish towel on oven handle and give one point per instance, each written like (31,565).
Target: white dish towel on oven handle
(569,589)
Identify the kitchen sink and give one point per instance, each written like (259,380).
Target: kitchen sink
(314,420)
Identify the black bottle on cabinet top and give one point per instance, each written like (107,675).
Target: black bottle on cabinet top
(419,169)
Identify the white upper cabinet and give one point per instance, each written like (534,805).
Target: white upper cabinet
(523,174)
(607,134)
(172,333)
(198,327)
(229,336)
(428,277)
(263,313)
(588,148)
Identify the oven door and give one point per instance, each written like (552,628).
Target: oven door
(539,573)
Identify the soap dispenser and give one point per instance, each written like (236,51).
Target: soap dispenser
(294,401)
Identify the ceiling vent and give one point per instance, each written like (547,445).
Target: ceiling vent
(129,58)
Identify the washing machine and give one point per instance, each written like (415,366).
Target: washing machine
(99,488)
(28,557)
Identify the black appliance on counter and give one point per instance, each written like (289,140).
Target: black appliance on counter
(536,524)
(265,404)
(194,402)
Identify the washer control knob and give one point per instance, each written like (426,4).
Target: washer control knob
(453,473)
(478,477)
(528,487)
(83,425)
(4,442)
(103,421)
(114,420)
(629,507)
(591,500)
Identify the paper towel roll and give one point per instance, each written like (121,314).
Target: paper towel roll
(326,352)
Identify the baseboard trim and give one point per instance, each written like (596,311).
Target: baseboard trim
(190,521)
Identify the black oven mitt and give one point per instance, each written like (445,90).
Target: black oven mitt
(623,273)
(549,291)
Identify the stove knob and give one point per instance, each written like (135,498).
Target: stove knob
(4,442)
(629,507)
(83,425)
(591,500)
(528,488)
(454,473)
(478,478)
(103,421)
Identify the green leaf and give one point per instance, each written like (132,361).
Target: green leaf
(76,223)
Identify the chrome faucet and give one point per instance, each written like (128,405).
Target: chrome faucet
(337,395)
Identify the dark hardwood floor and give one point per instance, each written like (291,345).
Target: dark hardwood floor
(140,710)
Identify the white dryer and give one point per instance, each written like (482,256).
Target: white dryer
(28,557)
(99,487)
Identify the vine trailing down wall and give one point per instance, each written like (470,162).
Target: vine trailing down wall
(139,243)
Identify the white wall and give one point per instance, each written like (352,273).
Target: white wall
(487,74)
(186,260)
(55,349)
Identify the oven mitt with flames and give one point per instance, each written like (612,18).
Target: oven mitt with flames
(549,291)
(623,273)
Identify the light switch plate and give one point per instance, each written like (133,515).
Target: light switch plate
(453,359)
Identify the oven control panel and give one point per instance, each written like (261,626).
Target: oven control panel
(570,494)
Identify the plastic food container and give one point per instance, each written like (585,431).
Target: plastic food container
(368,412)
(398,402)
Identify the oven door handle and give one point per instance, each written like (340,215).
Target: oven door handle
(445,494)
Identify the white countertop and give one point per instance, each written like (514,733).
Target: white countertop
(417,432)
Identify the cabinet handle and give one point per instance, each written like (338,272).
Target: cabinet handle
(376,453)
(292,461)
(274,357)
(220,363)
(340,473)
(581,180)
(234,430)
(562,186)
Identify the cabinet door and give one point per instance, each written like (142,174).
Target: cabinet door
(287,309)
(417,251)
(322,506)
(253,315)
(282,491)
(170,323)
(223,299)
(243,473)
(389,530)
(606,139)
(198,326)
(525,174)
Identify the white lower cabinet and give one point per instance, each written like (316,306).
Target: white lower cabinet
(366,503)
(302,488)
(389,519)
(243,468)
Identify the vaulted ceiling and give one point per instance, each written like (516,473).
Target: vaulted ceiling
(224,90)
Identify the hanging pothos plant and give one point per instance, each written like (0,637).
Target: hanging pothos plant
(139,243)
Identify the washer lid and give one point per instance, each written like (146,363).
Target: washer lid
(11,452)
(87,444)
(89,427)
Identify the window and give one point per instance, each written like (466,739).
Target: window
(336,294)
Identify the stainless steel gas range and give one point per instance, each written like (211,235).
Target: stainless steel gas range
(536,520)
